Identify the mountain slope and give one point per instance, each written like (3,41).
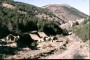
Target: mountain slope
(20,17)
(83,30)
(65,11)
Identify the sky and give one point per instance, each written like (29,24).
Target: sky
(81,5)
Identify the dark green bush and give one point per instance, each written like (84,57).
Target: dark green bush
(20,23)
(3,31)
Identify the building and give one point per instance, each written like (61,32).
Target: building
(42,34)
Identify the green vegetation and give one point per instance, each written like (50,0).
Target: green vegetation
(83,31)
(16,22)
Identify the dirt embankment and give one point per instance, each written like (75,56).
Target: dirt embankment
(75,48)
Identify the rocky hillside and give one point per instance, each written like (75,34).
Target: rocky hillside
(31,32)
(18,17)
(28,9)
(65,12)
(83,30)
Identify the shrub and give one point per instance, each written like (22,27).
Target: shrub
(82,31)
